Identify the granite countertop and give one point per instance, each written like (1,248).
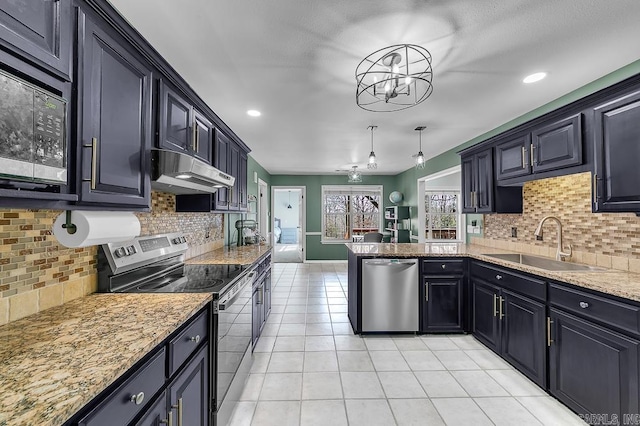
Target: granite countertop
(610,281)
(232,255)
(54,362)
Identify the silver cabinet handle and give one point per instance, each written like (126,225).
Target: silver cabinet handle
(495,305)
(549,340)
(179,407)
(524,157)
(169,420)
(498,277)
(584,305)
(501,313)
(137,398)
(426,292)
(534,162)
(195,338)
(595,187)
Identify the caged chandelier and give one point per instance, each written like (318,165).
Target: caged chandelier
(354,176)
(394,78)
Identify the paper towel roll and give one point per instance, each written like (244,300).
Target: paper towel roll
(93,228)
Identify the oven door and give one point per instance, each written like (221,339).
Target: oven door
(233,356)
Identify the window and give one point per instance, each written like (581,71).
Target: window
(348,212)
(442,215)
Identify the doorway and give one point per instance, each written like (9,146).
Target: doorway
(288,209)
(263,209)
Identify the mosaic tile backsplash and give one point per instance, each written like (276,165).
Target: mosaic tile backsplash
(37,273)
(615,235)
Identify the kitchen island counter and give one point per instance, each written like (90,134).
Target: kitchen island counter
(53,363)
(610,281)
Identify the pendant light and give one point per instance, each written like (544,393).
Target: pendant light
(372,165)
(420,161)
(354,175)
(289,205)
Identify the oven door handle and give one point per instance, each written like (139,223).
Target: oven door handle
(227,303)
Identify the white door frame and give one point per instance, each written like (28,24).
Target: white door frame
(263,216)
(303,224)
(423,187)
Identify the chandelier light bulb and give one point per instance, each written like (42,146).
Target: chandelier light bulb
(407,80)
(387,87)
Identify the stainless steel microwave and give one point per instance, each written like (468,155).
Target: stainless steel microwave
(33,143)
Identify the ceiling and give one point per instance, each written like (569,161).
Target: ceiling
(295,61)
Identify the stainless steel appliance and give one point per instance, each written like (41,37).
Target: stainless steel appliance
(183,174)
(33,132)
(390,295)
(155,264)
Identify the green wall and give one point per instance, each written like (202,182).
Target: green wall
(230,235)
(407,180)
(313,183)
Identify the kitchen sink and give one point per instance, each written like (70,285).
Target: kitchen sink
(545,263)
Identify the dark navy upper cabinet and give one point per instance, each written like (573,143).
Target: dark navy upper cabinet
(114,120)
(616,182)
(241,182)
(182,127)
(39,31)
(477,178)
(557,145)
(222,163)
(552,146)
(512,157)
(233,167)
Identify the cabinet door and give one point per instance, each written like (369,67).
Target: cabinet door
(558,145)
(116,120)
(267,295)
(484,185)
(593,370)
(189,392)
(221,162)
(233,170)
(486,323)
(203,137)
(241,181)
(256,315)
(442,304)
(512,157)
(524,335)
(175,126)
(468,181)
(617,131)
(40,31)
(158,414)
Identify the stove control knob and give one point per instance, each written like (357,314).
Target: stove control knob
(183,239)
(176,241)
(131,250)
(120,252)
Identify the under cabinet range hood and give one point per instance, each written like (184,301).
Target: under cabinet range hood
(182,174)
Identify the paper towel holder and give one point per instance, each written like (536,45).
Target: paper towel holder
(69,225)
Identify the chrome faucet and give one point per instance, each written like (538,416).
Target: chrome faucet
(560,254)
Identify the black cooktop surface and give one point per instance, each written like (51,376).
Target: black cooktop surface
(211,278)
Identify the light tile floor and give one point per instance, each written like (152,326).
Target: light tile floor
(309,369)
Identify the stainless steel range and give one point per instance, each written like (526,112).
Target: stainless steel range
(155,264)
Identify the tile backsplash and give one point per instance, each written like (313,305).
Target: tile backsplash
(37,273)
(605,239)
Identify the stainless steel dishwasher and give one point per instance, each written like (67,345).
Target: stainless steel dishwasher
(390,295)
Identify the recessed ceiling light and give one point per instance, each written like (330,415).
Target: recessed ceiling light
(254,113)
(534,77)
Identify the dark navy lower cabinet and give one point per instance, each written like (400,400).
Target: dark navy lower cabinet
(189,392)
(593,370)
(486,322)
(114,98)
(523,335)
(158,414)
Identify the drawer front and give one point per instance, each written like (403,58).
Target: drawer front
(443,267)
(618,314)
(187,341)
(514,281)
(118,408)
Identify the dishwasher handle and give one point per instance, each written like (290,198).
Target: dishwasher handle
(390,262)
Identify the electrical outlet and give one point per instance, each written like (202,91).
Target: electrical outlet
(538,238)
(514,232)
